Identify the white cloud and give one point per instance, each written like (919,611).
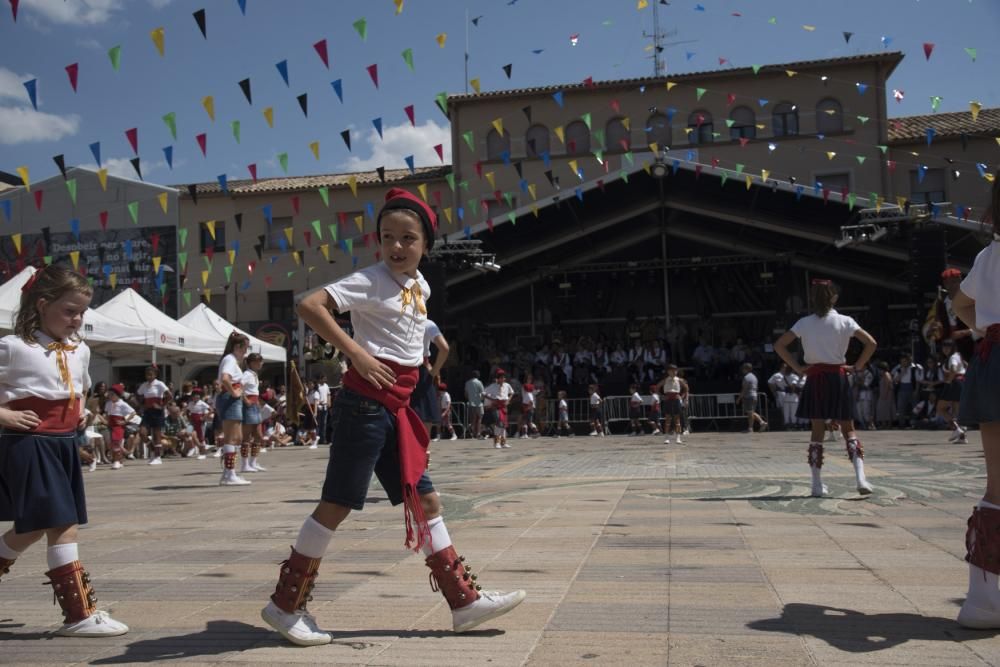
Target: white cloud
(160,4)
(122,167)
(398,142)
(12,86)
(77,12)
(90,43)
(23,124)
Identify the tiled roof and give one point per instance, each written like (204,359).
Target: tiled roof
(300,183)
(892,57)
(914,128)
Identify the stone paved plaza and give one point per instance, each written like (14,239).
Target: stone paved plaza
(632,552)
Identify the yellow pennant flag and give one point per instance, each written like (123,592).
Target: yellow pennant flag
(353,182)
(207,293)
(646,168)
(422,189)
(670,84)
(23,173)
(498,125)
(157,36)
(16,238)
(102,176)
(761,126)
(975,107)
(491,179)
(289,231)
(295,256)
(210,225)
(990,177)
(809,28)
(475,85)
(359,220)
(900,201)
(531,191)
(831,154)
(399,6)
(447,214)
(790,72)
(878,203)
(627,123)
(204,278)
(163,201)
(209,105)
(560,133)
(573,165)
(748,181)
(114,280)
(654,148)
(156,264)
(764,173)
(998,140)
(534,210)
(269,116)
(75,256)
(314,147)
(325,249)
(232,257)
(441,38)
(687,130)
(642,4)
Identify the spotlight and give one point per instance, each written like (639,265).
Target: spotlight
(659,168)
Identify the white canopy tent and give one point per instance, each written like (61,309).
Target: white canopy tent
(172,342)
(204,319)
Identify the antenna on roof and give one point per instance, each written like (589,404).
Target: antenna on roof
(659,64)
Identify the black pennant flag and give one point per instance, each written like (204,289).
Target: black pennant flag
(199,17)
(61,163)
(346,136)
(548,175)
(527,112)
(47,236)
(135,165)
(507,68)
(381,173)
(259,249)
(193,191)
(239,221)
(304,103)
(245,87)
(847,37)
(520,169)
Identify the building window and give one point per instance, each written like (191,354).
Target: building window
(217,244)
(702,129)
(281,306)
(577,138)
(829,116)
(497,145)
(930,189)
(276,234)
(785,120)
(743,125)
(617,136)
(658,130)
(536,141)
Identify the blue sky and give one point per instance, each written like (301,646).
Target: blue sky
(51,34)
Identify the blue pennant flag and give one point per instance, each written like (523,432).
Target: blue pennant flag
(460,211)
(222,184)
(558,97)
(74,226)
(370,210)
(377,122)
(283,70)
(168,153)
(95,150)
(267,213)
(128,249)
(339,89)
(243,6)
(32,88)
(6,208)
(409,163)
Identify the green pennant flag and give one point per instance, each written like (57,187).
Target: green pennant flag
(512,217)
(586,119)
(972,53)
(470,140)
(883,148)
(333,232)
(599,136)
(229,273)
(699,92)
(171,120)
(739,168)
(851,198)
(187,298)
(442,101)
(716,135)
(350,246)
(48,260)
(71,186)
(629,157)
(163,288)
(600,156)
(236,130)
(289,274)
(861,159)
(624,175)
(464,185)
(863,119)
(450,177)
(408,58)
(115,54)
(283,161)
(473,205)
(729,122)
(182,260)
(182,234)
(509,199)
(318,229)
(756,68)
(324,193)
(361,25)
(773,20)
(133,210)
(725,177)
(208,262)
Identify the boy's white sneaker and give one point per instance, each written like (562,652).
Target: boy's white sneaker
(155,461)
(453,437)
(98,624)
(299,627)
(230,478)
(593,433)
(489,605)
(117,465)
(93,465)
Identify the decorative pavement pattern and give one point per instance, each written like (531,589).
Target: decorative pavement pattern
(632,552)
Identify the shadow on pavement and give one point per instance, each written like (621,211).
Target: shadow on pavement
(857,632)
(217,638)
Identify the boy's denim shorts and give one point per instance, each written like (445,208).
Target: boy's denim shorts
(364,442)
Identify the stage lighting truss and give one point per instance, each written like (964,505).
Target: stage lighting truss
(856,234)
(875,223)
(466,253)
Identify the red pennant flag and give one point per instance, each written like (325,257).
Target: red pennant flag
(489,223)
(373,73)
(203,143)
(154,240)
(250,267)
(730,98)
(73,70)
(295,204)
(928,49)
(38,199)
(589,82)
(13,9)
(409,113)
(104,220)
(715,162)
(479,168)
(135,285)
(267,281)
(210,252)
(615,106)
(252,168)
(133,139)
(320,47)
(826,195)
(723,61)
(744,141)
(891,164)
(309,237)
(439,149)
(342,218)
(437,198)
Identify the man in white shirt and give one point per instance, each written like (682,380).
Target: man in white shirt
(474,401)
(748,395)
(779,389)
(322,409)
